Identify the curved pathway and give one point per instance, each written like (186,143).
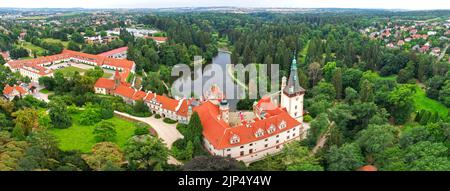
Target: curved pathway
(167,132)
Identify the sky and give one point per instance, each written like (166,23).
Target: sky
(386,4)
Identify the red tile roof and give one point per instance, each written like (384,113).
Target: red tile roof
(219,133)
(368,168)
(125,65)
(156,38)
(115,51)
(8,90)
(104,83)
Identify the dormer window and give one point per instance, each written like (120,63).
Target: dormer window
(271,129)
(234,139)
(259,133)
(282,125)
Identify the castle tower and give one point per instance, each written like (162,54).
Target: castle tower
(292,94)
(224,111)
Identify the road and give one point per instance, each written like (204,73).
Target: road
(167,132)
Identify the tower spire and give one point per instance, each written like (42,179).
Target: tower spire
(293,86)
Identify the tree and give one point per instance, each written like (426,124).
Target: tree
(337,82)
(2,60)
(27,120)
(104,131)
(48,82)
(95,73)
(77,37)
(107,109)
(314,73)
(195,132)
(91,115)
(213,163)
(298,158)
(59,116)
(348,157)
(376,138)
(426,156)
(366,91)
(146,152)
(140,108)
(351,95)
(324,90)
(401,103)
(73,46)
(105,155)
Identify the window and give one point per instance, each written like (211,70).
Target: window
(259,133)
(250,151)
(242,153)
(229,155)
(293,135)
(278,147)
(228,149)
(234,139)
(288,137)
(282,124)
(251,144)
(267,140)
(266,145)
(278,141)
(242,147)
(278,136)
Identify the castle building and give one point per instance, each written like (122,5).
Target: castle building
(264,131)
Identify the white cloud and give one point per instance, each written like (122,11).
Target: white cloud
(389,4)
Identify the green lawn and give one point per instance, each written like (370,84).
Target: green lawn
(69,71)
(45,91)
(79,137)
(39,51)
(52,40)
(107,75)
(421,101)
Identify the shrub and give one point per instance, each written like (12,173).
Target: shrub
(157,116)
(105,131)
(141,131)
(307,118)
(169,121)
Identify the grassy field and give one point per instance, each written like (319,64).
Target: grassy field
(39,51)
(33,18)
(52,40)
(45,91)
(79,137)
(421,101)
(107,75)
(69,71)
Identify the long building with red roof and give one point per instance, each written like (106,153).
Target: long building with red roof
(175,109)
(39,67)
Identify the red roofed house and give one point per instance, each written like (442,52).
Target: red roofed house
(119,53)
(39,67)
(162,105)
(253,139)
(11,92)
(158,40)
